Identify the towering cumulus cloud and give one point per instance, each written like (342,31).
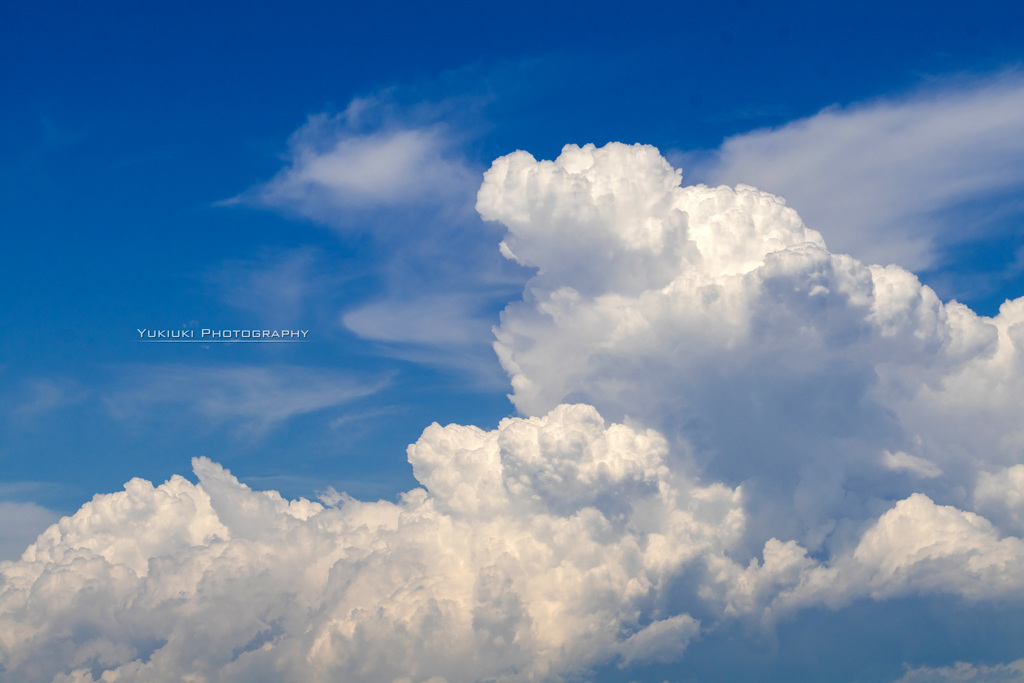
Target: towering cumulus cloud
(722,422)
(828,386)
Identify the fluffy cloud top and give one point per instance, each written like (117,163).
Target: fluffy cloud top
(716,316)
(534,550)
(827,432)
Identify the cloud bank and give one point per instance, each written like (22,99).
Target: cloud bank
(533,550)
(721,421)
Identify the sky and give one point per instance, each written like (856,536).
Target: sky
(682,342)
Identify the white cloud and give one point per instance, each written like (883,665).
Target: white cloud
(916,548)
(400,176)
(715,315)
(432,319)
(535,550)
(662,641)
(824,429)
(404,160)
(909,463)
(925,547)
(450,330)
(334,168)
(876,178)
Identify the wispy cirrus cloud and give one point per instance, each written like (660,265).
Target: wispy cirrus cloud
(332,170)
(279,282)
(433,319)
(42,395)
(378,153)
(251,399)
(283,288)
(397,173)
(881,179)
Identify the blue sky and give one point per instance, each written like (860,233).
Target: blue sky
(272,166)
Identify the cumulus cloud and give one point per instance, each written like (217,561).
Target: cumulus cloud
(915,548)
(790,429)
(533,551)
(876,178)
(699,309)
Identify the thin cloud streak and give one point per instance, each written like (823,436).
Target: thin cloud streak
(46,395)
(252,399)
(278,287)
